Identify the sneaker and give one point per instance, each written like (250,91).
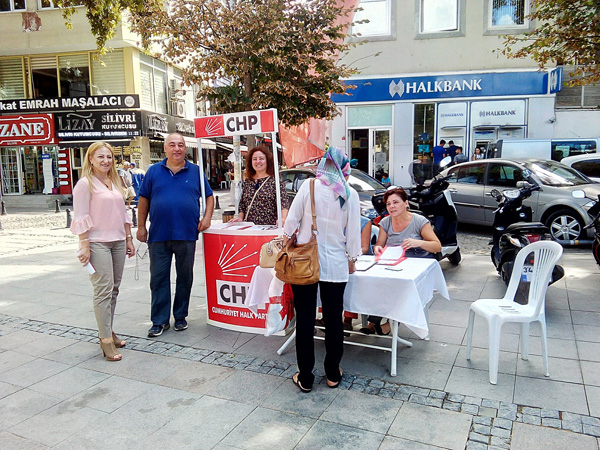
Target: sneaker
(180,325)
(157,330)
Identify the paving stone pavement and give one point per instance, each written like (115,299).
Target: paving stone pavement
(266,414)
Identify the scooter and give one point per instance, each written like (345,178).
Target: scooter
(435,203)
(594,212)
(513,229)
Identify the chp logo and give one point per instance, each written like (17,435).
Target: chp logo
(396,88)
(233,263)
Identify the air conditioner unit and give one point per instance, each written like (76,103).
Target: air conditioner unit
(178,108)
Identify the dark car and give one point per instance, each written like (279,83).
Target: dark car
(559,204)
(365,185)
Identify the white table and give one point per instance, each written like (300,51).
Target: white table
(401,296)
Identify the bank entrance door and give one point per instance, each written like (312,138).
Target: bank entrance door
(370,147)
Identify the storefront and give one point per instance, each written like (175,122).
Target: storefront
(28,154)
(391,124)
(54,165)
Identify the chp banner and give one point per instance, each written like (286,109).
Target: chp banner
(248,122)
(230,258)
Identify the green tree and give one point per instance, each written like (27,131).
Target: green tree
(103,15)
(253,54)
(567,32)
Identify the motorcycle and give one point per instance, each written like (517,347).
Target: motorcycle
(594,213)
(513,229)
(435,203)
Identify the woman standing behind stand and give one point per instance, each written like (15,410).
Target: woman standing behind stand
(338,239)
(104,230)
(259,198)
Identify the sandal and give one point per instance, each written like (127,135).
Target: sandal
(333,385)
(297,383)
(119,343)
(109,351)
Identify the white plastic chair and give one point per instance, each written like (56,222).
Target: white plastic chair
(499,311)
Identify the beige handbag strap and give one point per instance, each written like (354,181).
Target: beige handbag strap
(312,205)
(253,197)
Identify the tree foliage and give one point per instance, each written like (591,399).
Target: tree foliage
(254,54)
(103,15)
(568,32)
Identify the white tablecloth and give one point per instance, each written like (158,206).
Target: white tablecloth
(398,295)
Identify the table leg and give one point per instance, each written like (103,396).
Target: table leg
(426,310)
(287,343)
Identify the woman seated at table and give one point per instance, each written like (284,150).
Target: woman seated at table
(402,228)
(259,199)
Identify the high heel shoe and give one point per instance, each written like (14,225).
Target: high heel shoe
(109,351)
(119,343)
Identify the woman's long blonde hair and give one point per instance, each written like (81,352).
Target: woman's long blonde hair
(88,169)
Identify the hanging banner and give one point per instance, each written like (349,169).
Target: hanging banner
(247,122)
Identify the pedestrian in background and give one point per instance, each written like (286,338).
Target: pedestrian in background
(171,193)
(127,182)
(338,239)
(104,229)
(137,176)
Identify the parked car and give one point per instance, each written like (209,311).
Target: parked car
(555,204)
(589,165)
(365,185)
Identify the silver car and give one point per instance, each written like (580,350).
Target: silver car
(554,205)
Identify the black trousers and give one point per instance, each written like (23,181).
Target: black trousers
(332,303)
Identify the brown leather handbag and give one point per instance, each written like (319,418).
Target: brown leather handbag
(269,251)
(299,264)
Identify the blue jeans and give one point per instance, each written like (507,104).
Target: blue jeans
(161,256)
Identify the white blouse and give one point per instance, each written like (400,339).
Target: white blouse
(338,230)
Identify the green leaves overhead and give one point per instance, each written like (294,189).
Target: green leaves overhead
(103,15)
(253,54)
(567,32)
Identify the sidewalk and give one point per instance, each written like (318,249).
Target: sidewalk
(212,388)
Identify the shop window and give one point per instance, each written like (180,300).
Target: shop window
(12,5)
(423,138)
(11,79)
(440,18)
(379,16)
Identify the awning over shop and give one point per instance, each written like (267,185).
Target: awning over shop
(193,142)
(229,147)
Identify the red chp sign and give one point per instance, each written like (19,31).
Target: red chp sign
(30,129)
(248,122)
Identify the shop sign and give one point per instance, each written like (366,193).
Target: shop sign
(452,115)
(153,123)
(500,113)
(30,129)
(249,122)
(71,103)
(451,86)
(98,125)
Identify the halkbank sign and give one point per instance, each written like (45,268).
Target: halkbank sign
(451,86)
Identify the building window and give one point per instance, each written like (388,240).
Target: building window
(379,15)
(153,75)
(577,96)
(440,18)
(12,5)
(11,79)
(508,13)
(74,72)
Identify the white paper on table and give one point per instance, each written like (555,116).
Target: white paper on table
(391,255)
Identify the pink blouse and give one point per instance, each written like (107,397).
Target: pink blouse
(101,213)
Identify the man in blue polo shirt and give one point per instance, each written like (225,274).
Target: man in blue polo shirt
(171,193)
(438,154)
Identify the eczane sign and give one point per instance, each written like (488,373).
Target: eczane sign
(31,129)
(248,122)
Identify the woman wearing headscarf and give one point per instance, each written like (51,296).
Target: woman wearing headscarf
(338,240)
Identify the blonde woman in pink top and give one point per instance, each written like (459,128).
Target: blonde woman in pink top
(104,229)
